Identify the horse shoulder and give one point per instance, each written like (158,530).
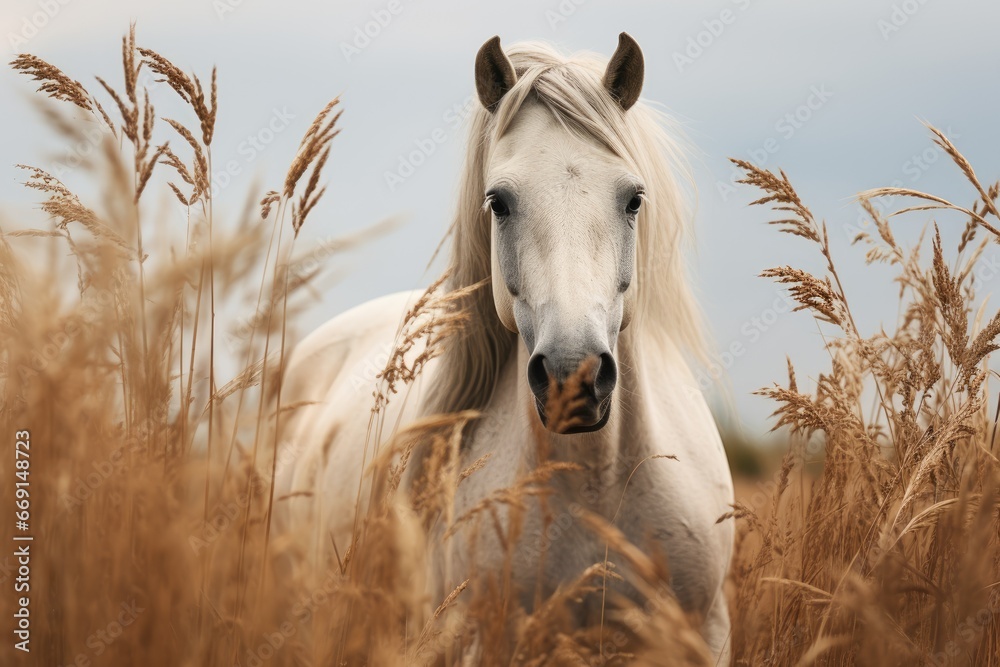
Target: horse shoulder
(681,498)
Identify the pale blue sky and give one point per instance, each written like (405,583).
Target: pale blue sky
(870,69)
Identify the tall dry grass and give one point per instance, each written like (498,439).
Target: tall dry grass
(150,490)
(891,555)
(151,479)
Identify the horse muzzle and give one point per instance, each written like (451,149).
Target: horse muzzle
(572,395)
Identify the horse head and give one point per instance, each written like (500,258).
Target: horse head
(564,209)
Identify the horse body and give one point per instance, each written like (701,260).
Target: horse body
(580,236)
(673,501)
(330,378)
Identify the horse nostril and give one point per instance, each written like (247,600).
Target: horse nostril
(538,376)
(607,376)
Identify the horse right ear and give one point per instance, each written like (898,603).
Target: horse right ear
(494,74)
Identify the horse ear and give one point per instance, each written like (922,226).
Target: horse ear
(623,78)
(494,74)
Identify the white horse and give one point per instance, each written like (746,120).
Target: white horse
(569,207)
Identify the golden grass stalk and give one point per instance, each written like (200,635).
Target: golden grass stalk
(892,555)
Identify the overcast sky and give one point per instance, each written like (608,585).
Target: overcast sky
(833,93)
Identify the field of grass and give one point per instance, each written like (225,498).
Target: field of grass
(150,469)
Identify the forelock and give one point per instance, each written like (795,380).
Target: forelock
(572,89)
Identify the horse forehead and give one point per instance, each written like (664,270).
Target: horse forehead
(537,143)
(549,174)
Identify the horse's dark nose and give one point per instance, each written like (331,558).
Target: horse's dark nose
(572,392)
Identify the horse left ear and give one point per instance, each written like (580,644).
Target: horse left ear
(623,78)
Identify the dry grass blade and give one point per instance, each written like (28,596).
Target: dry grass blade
(54,83)
(812,293)
(202,184)
(271,198)
(783,197)
(316,138)
(427,325)
(532,484)
(566,401)
(314,150)
(190,90)
(988,198)
(67,208)
(937,203)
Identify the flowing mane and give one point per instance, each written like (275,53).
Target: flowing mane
(572,89)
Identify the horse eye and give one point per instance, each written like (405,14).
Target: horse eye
(499,209)
(634,204)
